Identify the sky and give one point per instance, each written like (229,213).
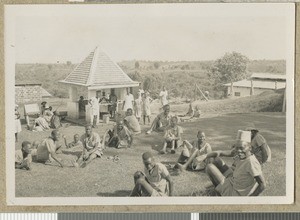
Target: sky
(191,32)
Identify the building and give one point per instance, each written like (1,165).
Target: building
(28,92)
(258,83)
(97,73)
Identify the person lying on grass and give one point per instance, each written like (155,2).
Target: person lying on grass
(92,147)
(154,181)
(193,154)
(46,151)
(75,143)
(119,136)
(172,136)
(244,178)
(259,145)
(23,157)
(131,122)
(162,121)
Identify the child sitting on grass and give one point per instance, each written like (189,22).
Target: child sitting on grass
(75,143)
(23,157)
(172,136)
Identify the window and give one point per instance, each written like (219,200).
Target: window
(237,94)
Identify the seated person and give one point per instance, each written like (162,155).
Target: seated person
(131,122)
(92,147)
(244,178)
(55,121)
(46,151)
(155,181)
(259,146)
(193,154)
(172,136)
(40,124)
(23,157)
(162,121)
(75,143)
(119,137)
(197,112)
(48,114)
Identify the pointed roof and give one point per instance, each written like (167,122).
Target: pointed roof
(98,71)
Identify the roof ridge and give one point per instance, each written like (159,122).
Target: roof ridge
(93,66)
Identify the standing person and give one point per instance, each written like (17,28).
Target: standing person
(146,107)
(155,181)
(92,147)
(128,101)
(113,99)
(81,105)
(164,96)
(94,105)
(18,127)
(138,106)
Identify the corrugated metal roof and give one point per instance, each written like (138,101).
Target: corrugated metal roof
(98,70)
(268,76)
(258,84)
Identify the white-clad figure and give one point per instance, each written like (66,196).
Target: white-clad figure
(164,96)
(94,110)
(128,101)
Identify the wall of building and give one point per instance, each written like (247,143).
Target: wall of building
(28,93)
(245,91)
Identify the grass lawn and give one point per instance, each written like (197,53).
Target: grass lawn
(104,177)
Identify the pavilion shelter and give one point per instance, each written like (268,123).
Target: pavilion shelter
(97,73)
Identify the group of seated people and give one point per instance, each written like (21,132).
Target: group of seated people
(46,119)
(243,178)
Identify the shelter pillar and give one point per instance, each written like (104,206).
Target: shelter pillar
(73,105)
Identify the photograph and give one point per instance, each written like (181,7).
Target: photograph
(149,104)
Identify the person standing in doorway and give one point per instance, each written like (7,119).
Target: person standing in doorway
(94,105)
(128,101)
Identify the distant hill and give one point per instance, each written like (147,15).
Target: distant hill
(179,77)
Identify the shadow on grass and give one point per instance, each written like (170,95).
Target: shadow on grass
(117,193)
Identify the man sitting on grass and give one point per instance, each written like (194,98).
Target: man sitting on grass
(119,136)
(131,122)
(23,157)
(162,121)
(172,136)
(193,154)
(155,181)
(244,178)
(92,147)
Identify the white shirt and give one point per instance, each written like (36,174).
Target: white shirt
(163,95)
(94,103)
(128,101)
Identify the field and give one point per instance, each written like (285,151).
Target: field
(103,177)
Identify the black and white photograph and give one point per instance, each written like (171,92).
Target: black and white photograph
(148,104)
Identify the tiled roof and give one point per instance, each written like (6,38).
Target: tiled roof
(268,76)
(258,84)
(45,93)
(98,70)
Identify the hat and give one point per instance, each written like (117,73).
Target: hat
(244,136)
(251,127)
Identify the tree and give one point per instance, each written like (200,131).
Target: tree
(228,69)
(156,65)
(137,64)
